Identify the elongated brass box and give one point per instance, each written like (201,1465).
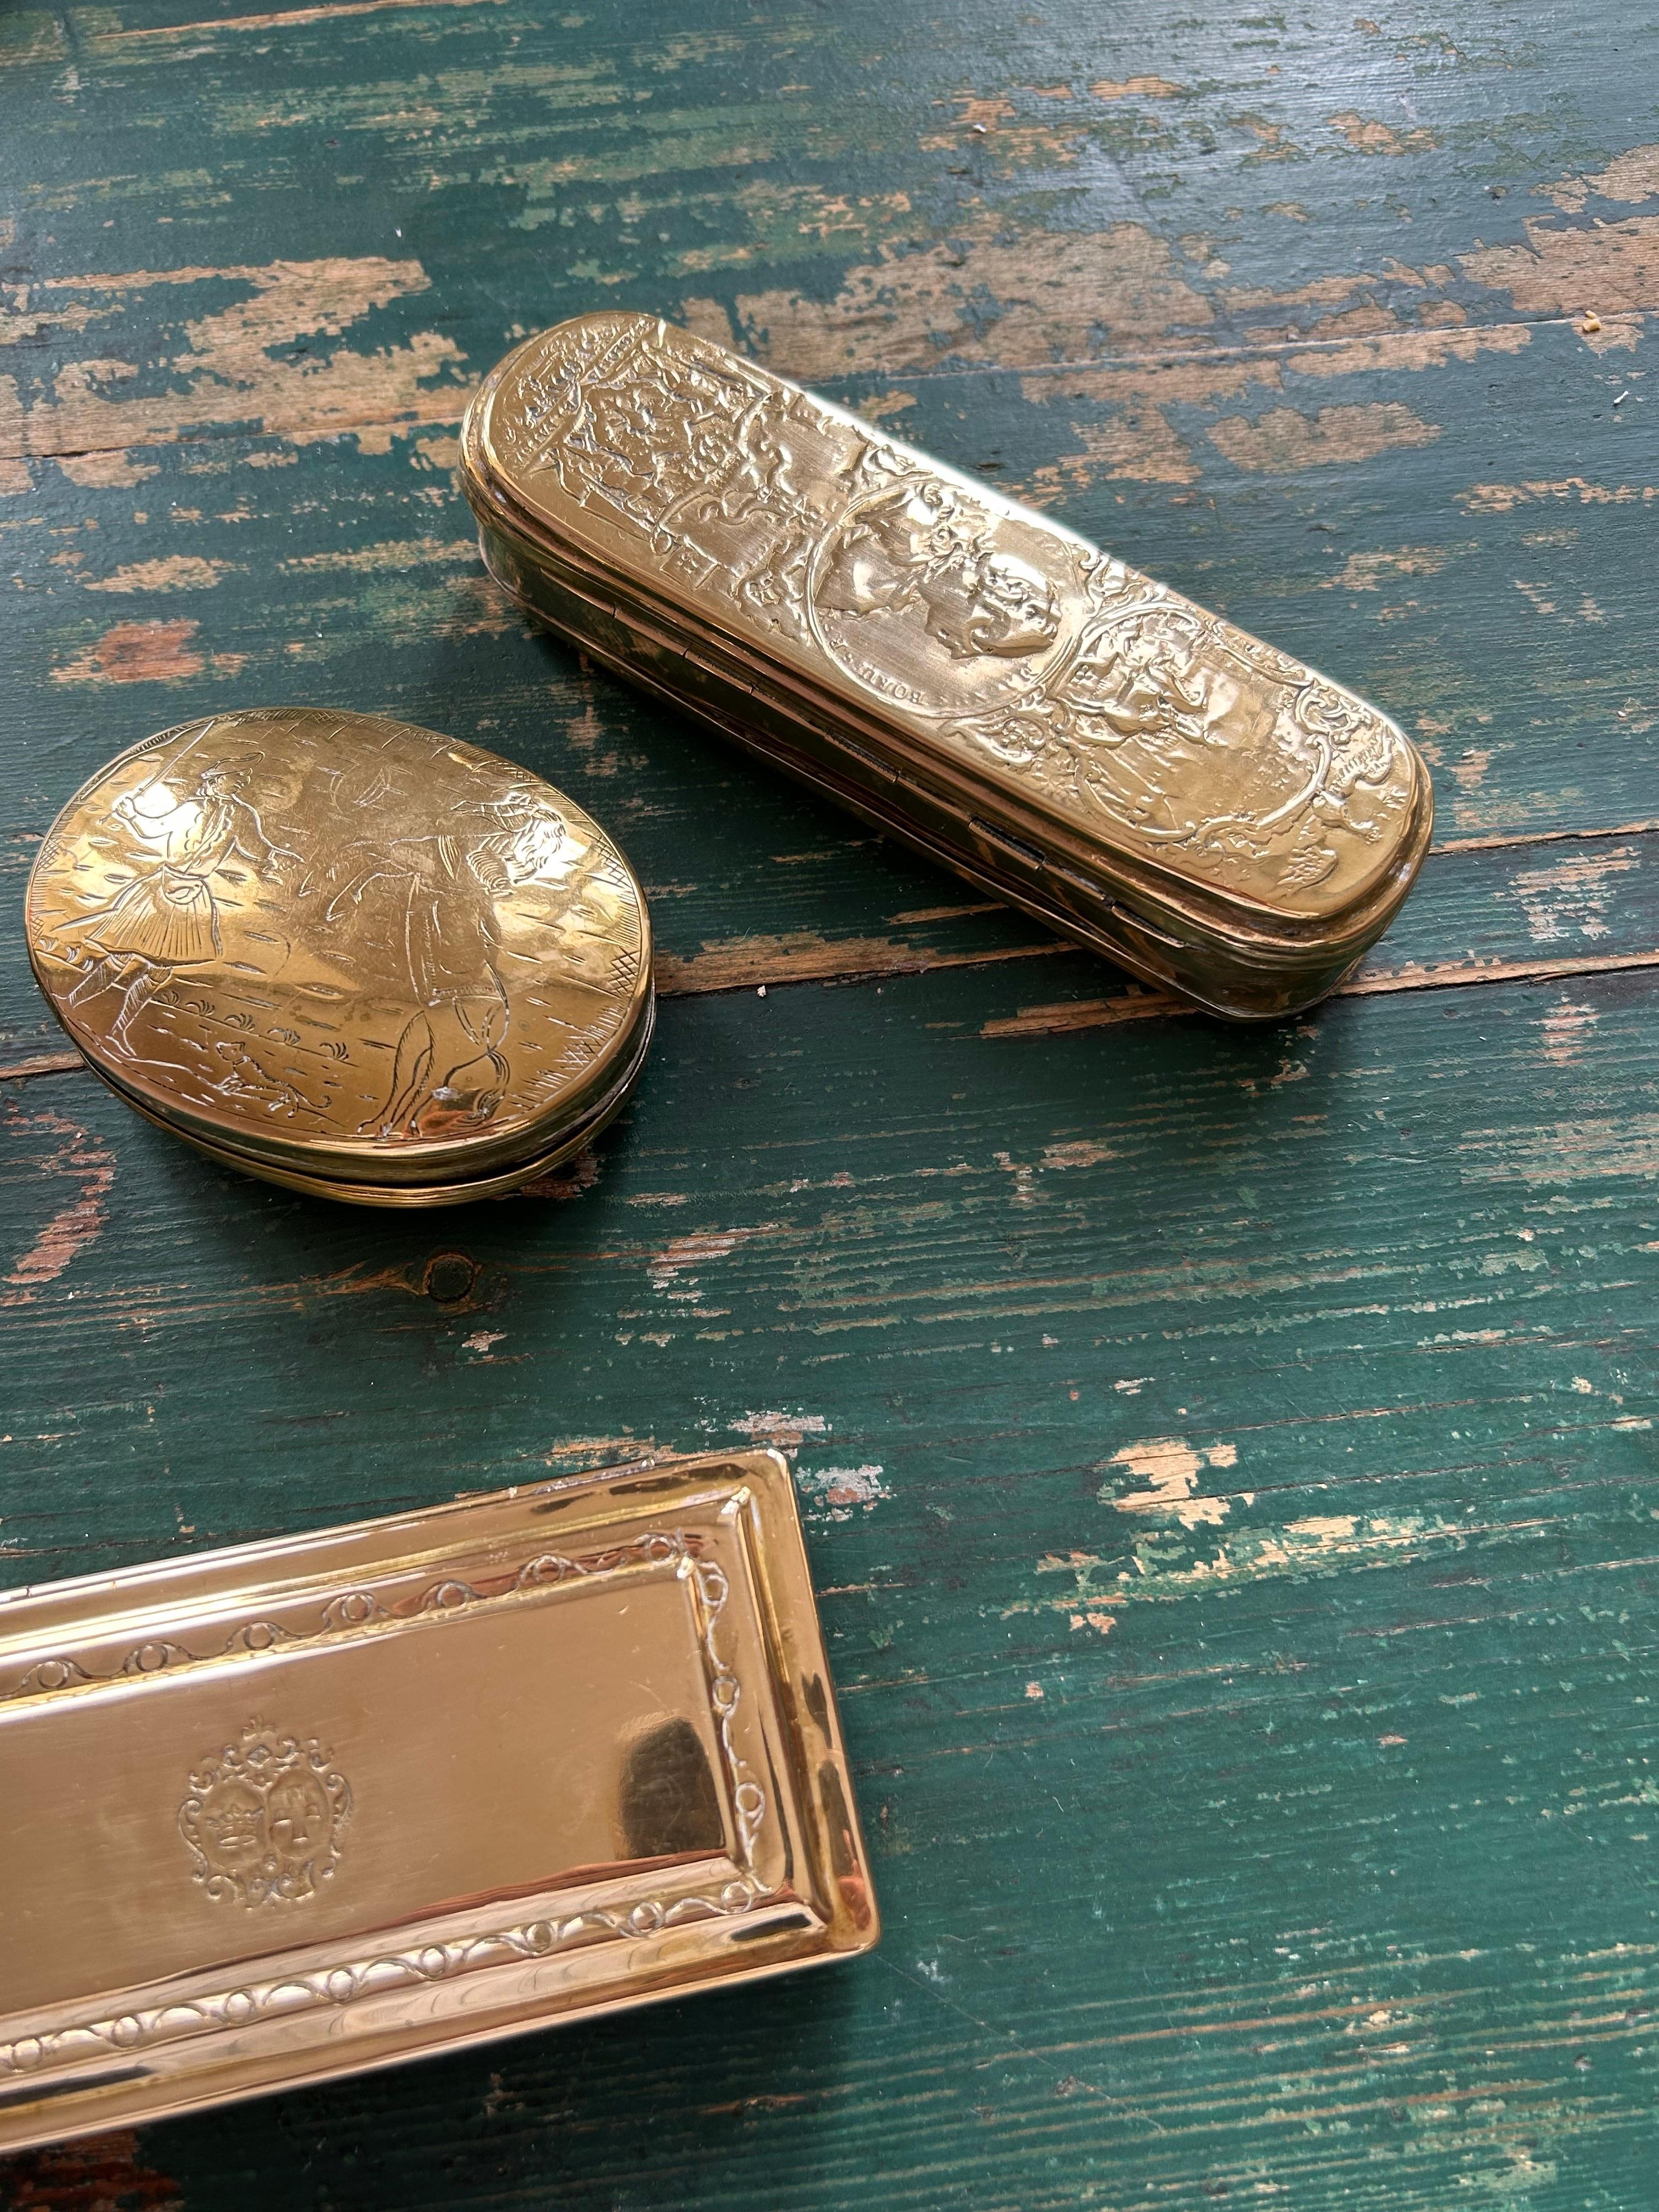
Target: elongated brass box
(957,669)
(277,1813)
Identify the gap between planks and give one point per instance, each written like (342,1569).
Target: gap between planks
(1137,1005)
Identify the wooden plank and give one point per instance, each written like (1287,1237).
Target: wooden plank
(1227,1460)
(1244,401)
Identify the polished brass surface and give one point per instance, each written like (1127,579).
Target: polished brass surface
(343,950)
(957,667)
(342,1799)
(497,1182)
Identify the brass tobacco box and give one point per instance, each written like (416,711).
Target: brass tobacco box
(328,1802)
(957,669)
(346,955)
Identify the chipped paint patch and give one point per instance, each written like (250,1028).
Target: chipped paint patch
(1083,1605)
(392,556)
(86,1161)
(111,471)
(1570,898)
(1537,597)
(1141,447)
(836,1493)
(580,1455)
(1272,144)
(245,366)
(675,1268)
(102,36)
(784,1432)
(137,653)
(1170,1468)
(1136,442)
(482,1338)
(1366,136)
(1316,1544)
(805,956)
(1390,350)
(1050,297)
(1562,269)
(1367,571)
(1503,498)
(1083,1153)
(1192,382)
(880,404)
(99,2173)
(181,572)
(1565,1031)
(439,453)
(1283,442)
(1578,1149)
(1135,87)
(1633,176)
(1469,773)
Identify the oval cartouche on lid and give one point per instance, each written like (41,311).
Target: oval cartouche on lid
(345,954)
(961,671)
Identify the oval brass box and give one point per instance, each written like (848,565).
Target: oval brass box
(344,954)
(958,669)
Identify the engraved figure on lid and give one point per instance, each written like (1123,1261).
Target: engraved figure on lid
(166,917)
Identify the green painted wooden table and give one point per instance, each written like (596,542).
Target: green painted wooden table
(1228,1457)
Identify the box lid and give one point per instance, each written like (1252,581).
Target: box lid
(1015,655)
(344,1798)
(343,947)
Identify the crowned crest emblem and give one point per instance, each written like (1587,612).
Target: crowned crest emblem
(264,1817)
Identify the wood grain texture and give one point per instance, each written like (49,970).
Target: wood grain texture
(1228,1457)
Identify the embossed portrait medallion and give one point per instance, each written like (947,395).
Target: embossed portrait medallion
(929,600)
(343,946)
(262,1818)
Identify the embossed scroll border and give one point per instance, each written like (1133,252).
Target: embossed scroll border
(387,1972)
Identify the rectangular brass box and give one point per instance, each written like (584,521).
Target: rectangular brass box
(956,668)
(288,1811)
